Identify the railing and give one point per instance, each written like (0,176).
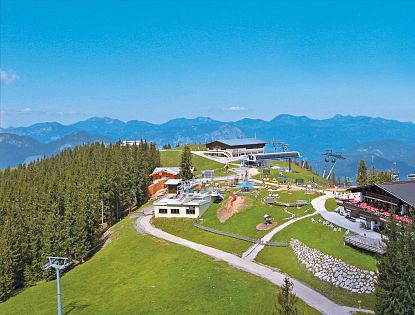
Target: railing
(240,237)
(351,206)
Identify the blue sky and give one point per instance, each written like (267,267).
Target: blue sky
(150,60)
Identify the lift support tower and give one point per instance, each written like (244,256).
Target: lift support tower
(333,157)
(58,263)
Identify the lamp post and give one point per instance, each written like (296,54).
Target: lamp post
(58,263)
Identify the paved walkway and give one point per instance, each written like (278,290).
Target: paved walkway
(337,219)
(305,293)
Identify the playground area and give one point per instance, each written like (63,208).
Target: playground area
(246,215)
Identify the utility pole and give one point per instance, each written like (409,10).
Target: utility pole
(58,263)
(102,211)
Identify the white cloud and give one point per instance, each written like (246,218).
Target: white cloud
(236,108)
(27,110)
(8,77)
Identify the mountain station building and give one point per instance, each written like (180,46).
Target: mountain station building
(235,147)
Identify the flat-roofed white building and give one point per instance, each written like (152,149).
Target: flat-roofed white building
(191,205)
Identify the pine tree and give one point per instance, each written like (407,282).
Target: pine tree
(287,299)
(361,177)
(186,164)
(395,289)
(371,177)
(6,265)
(383,177)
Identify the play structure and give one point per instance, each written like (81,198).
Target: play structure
(267,224)
(271,199)
(246,186)
(233,199)
(267,219)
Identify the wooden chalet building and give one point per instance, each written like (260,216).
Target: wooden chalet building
(235,147)
(376,204)
(160,176)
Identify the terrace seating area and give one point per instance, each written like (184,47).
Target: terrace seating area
(378,212)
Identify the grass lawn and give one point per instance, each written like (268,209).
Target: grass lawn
(318,236)
(324,239)
(331,204)
(139,274)
(173,158)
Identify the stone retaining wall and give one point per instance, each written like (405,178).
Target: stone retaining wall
(333,270)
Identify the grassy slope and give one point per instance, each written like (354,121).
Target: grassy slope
(331,204)
(184,228)
(323,238)
(173,158)
(138,274)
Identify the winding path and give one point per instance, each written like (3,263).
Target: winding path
(254,250)
(305,293)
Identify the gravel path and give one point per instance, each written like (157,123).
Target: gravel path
(305,293)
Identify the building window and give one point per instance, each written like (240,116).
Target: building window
(163,211)
(190,211)
(174,211)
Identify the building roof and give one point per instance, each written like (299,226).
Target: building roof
(187,200)
(173,182)
(404,190)
(171,170)
(245,141)
(277,155)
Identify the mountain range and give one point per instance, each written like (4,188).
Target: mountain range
(381,142)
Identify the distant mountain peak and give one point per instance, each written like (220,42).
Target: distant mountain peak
(105,120)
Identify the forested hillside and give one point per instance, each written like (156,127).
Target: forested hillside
(52,207)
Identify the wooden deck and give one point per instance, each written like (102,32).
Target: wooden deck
(366,243)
